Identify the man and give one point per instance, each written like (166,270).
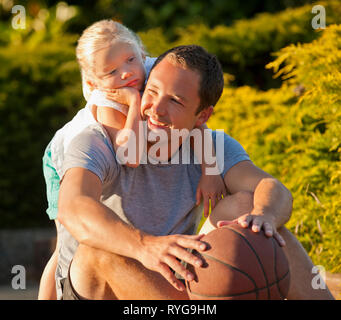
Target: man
(133,226)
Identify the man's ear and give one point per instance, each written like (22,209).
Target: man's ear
(203,116)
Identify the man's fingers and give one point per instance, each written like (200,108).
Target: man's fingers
(170,277)
(192,236)
(178,267)
(185,256)
(191,243)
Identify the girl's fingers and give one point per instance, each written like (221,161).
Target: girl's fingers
(223,223)
(206,206)
(213,203)
(245,220)
(279,239)
(198,196)
(268,230)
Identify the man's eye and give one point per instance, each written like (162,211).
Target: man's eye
(113,72)
(152,92)
(176,101)
(131,59)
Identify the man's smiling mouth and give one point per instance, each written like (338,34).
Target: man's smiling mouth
(157,123)
(153,123)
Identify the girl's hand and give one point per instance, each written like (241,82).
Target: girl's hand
(257,222)
(124,95)
(210,187)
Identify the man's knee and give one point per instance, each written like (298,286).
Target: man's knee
(91,257)
(233,206)
(244,201)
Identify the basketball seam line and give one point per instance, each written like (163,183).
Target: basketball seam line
(242,293)
(258,259)
(231,267)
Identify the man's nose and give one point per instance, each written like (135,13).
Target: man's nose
(159,107)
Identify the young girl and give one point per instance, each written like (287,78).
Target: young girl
(110,57)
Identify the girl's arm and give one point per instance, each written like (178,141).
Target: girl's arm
(125,133)
(47,286)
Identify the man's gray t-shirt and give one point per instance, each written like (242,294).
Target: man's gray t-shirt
(157,199)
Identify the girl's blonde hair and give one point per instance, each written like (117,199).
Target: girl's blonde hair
(98,36)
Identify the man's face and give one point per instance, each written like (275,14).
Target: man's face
(171,98)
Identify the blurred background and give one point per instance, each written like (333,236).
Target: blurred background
(281,102)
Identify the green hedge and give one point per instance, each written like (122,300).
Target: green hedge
(294,133)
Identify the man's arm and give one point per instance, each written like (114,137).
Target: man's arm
(272,202)
(88,220)
(95,225)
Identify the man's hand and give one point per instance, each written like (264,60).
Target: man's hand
(257,223)
(162,253)
(124,95)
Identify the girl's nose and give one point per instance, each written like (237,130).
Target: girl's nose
(125,75)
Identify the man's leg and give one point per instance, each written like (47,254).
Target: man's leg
(97,274)
(301,276)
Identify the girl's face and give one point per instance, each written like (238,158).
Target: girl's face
(119,65)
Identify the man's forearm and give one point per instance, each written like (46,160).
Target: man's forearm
(95,225)
(272,198)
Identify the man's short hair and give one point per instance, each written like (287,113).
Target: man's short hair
(207,65)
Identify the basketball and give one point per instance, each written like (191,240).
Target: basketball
(240,264)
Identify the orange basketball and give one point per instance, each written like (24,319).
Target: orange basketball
(240,265)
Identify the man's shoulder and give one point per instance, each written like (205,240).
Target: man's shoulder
(228,151)
(221,135)
(91,149)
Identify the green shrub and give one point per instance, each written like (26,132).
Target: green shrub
(294,133)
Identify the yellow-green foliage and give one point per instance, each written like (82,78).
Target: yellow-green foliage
(40,91)
(294,133)
(244,47)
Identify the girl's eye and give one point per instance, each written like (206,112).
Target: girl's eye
(131,59)
(152,92)
(113,72)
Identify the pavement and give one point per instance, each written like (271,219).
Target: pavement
(30,293)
